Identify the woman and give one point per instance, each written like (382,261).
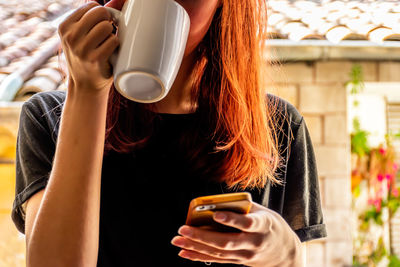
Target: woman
(103,180)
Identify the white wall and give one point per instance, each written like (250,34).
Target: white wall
(371,111)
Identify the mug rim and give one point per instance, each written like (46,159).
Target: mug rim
(153,76)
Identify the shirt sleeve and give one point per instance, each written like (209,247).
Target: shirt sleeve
(34,155)
(302,203)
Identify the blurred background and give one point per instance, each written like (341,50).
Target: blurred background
(338,62)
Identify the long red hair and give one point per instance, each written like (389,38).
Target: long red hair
(229,88)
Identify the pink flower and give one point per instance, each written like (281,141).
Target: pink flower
(377,204)
(382,151)
(395,192)
(395,167)
(388,176)
(380,177)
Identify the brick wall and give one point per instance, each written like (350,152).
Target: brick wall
(317,89)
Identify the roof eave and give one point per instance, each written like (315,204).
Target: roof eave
(312,50)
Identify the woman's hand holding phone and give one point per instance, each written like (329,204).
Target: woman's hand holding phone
(265,239)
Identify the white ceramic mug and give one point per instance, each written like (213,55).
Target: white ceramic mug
(153,36)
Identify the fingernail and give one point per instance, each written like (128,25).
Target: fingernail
(182,254)
(177,241)
(220,216)
(185,231)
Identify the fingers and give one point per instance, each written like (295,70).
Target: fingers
(92,18)
(98,35)
(86,17)
(224,241)
(80,11)
(117,4)
(76,16)
(92,32)
(256,222)
(106,49)
(196,256)
(192,247)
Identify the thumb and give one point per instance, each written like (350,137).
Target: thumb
(117,4)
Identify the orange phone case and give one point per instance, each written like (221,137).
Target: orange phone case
(201,210)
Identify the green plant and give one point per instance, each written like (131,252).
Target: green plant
(394,261)
(356,79)
(359,139)
(377,168)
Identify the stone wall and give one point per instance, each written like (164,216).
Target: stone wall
(318,90)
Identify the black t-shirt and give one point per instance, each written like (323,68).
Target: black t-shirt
(145,195)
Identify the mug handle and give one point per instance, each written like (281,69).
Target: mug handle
(116,14)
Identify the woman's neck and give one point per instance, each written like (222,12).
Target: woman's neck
(178,99)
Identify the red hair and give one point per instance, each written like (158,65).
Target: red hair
(235,140)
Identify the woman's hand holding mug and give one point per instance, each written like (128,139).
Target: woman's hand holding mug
(88,42)
(152,36)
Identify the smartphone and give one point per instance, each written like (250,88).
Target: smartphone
(201,210)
